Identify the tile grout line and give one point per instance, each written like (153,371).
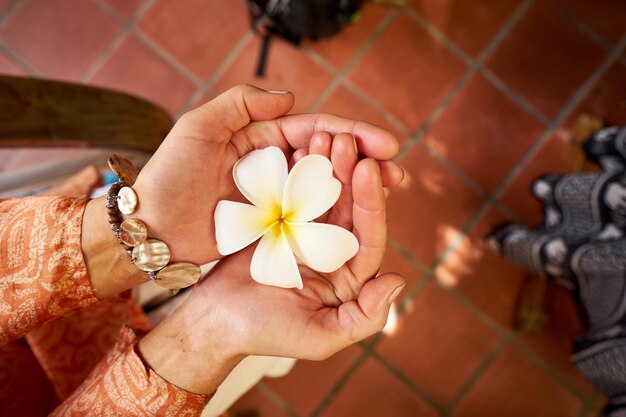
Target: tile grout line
(356,58)
(273,397)
(148,42)
(345,82)
(498,84)
(397,124)
(387,115)
(539,361)
(507,335)
(166,56)
(464,231)
(580,25)
(10,10)
(511,337)
(207,85)
(516,98)
(503,209)
(125,27)
(584,28)
(462,56)
(407,381)
(452,168)
(474,66)
(507,27)
(476,376)
(20,61)
(569,106)
(587,407)
(565,111)
(338,386)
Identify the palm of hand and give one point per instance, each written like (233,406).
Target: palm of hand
(268,320)
(333,310)
(185,189)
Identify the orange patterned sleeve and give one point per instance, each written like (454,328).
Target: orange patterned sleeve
(121,385)
(42,272)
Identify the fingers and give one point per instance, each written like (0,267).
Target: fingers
(391,173)
(372,141)
(231,111)
(361,318)
(297,155)
(369,217)
(344,158)
(321,143)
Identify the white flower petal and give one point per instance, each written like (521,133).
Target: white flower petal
(237,225)
(322,247)
(261,177)
(310,190)
(273,262)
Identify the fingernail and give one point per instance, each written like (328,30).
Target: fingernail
(277,91)
(395,294)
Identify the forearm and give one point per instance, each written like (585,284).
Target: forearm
(109,267)
(189,352)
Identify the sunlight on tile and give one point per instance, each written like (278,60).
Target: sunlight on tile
(433,183)
(459,263)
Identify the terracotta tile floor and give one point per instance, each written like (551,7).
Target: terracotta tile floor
(479,93)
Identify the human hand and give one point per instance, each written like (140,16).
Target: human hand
(191,171)
(228,315)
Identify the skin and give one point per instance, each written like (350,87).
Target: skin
(228,315)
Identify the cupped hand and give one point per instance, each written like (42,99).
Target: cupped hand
(229,315)
(324,317)
(191,171)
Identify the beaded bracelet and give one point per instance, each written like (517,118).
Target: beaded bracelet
(150,255)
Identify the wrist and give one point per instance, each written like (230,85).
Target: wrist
(189,352)
(108,266)
(188,236)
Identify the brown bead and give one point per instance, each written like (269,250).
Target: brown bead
(114,219)
(115,187)
(113,211)
(125,170)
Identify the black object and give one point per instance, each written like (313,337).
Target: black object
(582,245)
(295,20)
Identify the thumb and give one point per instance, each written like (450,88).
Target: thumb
(233,110)
(367,315)
(376,297)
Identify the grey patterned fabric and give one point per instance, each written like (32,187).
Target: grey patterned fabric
(582,244)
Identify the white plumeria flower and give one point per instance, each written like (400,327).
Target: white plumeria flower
(282,214)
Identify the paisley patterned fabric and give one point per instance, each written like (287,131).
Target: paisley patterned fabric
(74,345)
(121,385)
(41,263)
(68,349)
